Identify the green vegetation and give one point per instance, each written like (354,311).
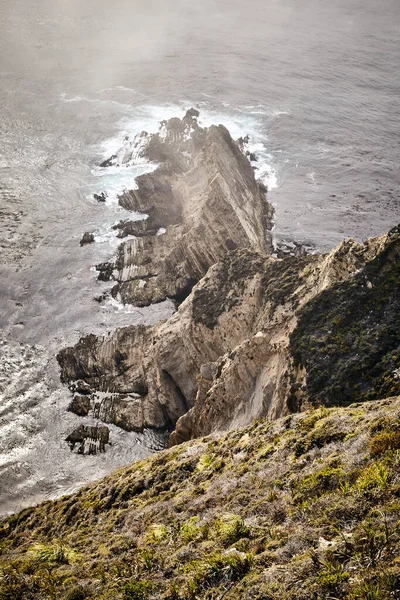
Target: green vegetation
(304,508)
(348,337)
(279,280)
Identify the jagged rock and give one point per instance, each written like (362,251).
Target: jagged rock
(124,411)
(251,156)
(193,112)
(80,387)
(101,298)
(235,350)
(105,271)
(137,228)
(108,162)
(243,141)
(100,197)
(226,356)
(87,238)
(286,248)
(80,405)
(203,194)
(90,440)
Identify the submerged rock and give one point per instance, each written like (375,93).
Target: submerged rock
(90,440)
(87,238)
(80,405)
(105,271)
(100,197)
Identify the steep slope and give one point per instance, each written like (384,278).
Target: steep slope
(241,346)
(348,338)
(303,508)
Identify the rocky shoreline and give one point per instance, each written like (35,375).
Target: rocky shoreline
(200,202)
(238,348)
(277,380)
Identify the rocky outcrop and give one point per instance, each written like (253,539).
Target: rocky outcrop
(100,197)
(80,405)
(90,440)
(348,338)
(87,238)
(202,201)
(138,229)
(232,353)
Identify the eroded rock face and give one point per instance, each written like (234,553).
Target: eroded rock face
(202,201)
(242,344)
(348,338)
(226,357)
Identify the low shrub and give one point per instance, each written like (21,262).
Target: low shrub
(137,590)
(384,442)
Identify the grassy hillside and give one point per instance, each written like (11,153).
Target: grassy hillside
(303,508)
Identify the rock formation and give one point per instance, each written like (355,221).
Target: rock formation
(80,405)
(87,238)
(100,197)
(247,342)
(90,440)
(255,334)
(202,201)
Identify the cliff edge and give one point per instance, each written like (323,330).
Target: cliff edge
(257,337)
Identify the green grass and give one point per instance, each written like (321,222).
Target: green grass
(304,508)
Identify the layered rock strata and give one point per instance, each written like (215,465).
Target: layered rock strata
(202,201)
(247,342)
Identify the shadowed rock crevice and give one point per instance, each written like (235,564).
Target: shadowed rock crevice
(174,390)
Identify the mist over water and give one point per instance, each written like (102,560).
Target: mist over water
(316,85)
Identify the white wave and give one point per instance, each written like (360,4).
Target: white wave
(116,180)
(108,234)
(79,98)
(311,177)
(121,177)
(166,308)
(118,306)
(125,89)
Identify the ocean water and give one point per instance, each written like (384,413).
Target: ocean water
(315,84)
